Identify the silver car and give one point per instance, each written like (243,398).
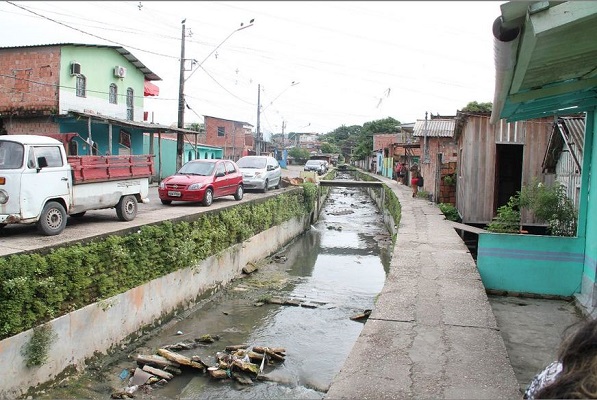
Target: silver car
(260,172)
(316,165)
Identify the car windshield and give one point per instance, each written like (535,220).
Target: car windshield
(313,162)
(11,155)
(252,162)
(197,168)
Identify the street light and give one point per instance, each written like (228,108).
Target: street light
(181,105)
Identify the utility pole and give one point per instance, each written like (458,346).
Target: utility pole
(258,139)
(425,148)
(180,135)
(283,137)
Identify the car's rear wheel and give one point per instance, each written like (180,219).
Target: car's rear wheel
(166,202)
(208,198)
(238,195)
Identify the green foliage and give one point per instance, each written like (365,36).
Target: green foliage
(507,219)
(550,204)
(36,350)
(299,154)
(473,106)
(329,148)
(450,212)
(450,180)
(36,288)
(310,193)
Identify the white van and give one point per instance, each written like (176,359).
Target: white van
(260,172)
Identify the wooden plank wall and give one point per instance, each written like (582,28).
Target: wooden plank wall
(477,161)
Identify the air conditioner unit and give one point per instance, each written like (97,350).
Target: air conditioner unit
(75,68)
(119,72)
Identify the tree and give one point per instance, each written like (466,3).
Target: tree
(365,140)
(299,154)
(473,106)
(329,148)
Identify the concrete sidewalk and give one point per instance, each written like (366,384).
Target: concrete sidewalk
(432,333)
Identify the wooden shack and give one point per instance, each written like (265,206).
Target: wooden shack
(495,161)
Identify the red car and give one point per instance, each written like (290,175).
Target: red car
(203,180)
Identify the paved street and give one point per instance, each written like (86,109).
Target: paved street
(18,238)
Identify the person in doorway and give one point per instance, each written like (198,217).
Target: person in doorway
(414,179)
(574,374)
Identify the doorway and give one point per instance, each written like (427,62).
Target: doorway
(508,173)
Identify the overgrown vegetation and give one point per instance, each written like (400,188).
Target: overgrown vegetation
(449,211)
(36,288)
(35,352)
(548,203)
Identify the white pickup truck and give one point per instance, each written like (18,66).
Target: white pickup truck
(40,184)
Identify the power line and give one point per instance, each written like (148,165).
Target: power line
(90,34)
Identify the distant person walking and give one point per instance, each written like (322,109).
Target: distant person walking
(414,179)
(397,170)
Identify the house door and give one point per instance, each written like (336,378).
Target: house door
(508,173)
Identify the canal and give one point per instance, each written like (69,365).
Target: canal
(337,268)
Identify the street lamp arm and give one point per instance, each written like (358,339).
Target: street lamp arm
(217,47)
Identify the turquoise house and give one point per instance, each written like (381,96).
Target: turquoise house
(546,65)
(164,150)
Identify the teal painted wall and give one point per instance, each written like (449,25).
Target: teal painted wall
(168,159)
(588,206)
(99,134)
(546,265)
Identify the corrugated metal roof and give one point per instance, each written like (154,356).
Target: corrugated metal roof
(149,75)
(574,130)
(435,127)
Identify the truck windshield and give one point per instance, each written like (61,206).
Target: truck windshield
(11,155)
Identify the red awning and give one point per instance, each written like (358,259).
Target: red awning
(151,89)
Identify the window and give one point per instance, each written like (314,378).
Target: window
(81,86)
(221,131)
(11,155)
(220,169)
(113,94)
(51,153)
(130,112)
(230,168)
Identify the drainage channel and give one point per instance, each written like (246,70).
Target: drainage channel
(333,272)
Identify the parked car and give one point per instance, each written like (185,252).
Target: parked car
(202,181)
(316,165)
(260,172)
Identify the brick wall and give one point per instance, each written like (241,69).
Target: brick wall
(447,193)
(29,80)
(233,141)
(30,126)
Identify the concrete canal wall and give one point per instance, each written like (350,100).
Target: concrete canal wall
(98,327)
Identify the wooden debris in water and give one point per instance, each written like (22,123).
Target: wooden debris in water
(361,316)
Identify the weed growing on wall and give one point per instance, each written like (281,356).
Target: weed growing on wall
(35,352)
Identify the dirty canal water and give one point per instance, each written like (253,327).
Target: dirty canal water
(335,270)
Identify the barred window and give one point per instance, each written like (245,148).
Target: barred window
(221,131)
(81,86)
(130,111)
(113,94)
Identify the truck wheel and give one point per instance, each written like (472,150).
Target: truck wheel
(52,220)
(208,198)
(126,209)
(239,193)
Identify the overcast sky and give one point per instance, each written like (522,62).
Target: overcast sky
(351,61)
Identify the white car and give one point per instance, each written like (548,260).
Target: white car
(260,172)
(316,165)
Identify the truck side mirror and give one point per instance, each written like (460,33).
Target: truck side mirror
(41,163)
